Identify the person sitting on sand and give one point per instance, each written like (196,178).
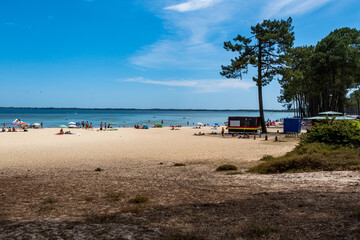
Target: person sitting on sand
(3,129)
(68,132)
(9,129)
(13,129)
(61,131)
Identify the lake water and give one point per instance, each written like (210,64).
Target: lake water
(56,117)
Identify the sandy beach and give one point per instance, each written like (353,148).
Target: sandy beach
(42,149)
(50,189)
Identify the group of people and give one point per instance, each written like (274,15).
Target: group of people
(86,125)
(9,129)
(103,126)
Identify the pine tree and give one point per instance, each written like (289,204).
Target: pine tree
(265,50)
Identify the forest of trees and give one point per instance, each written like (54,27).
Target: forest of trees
(318,78)
(312,78)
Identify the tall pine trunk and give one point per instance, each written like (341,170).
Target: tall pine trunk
(259,85)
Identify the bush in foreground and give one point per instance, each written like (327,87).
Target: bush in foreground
(226,167)
(309,157)
(343,133)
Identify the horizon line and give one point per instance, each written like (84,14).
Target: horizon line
(147,109)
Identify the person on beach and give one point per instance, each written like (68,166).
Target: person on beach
(13,129)
(101,126)
(222,131)
(105,126)
(4,125)
(9,129)
(42,124)
(3,129)
(61,131)
(91,126)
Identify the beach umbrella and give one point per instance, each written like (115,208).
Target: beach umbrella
(72,126)
(112,123)
(36,124)
(344,118)
(62,126)
(316,118)
(15,123)
(330,113)
(199,123)
(71,123)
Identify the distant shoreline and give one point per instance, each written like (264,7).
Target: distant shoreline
(145,109)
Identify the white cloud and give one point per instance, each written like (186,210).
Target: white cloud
(195,38)
(192,5)
(201,85)
(280,8)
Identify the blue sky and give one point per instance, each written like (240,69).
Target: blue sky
(144,54)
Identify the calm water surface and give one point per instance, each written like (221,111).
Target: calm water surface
(56,117)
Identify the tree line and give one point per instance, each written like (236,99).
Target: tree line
(312,78)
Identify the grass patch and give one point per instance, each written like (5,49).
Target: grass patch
(98,169)
(179,165)
(234,173)
(114,196)
(89,199)
(139,199)
(308,157)
(49,201)
(267,158)
(226,167)
(260,230)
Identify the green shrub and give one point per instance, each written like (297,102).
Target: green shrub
(139,199)
(344,133)
(226,167)
(312,157)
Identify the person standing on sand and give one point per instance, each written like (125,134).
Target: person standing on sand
(101,126)
(222,131)
(105,126)
(42,124)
